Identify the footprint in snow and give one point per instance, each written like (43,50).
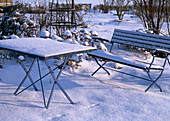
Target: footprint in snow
(92,105)
(57,117)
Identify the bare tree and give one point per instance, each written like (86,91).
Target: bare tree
(168,15)
(121,7)
(152,13)
(107,4)
(95,8)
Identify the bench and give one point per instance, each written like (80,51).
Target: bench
(160,45)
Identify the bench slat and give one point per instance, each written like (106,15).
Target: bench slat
(140,45)
(136,42)
(142,34)
(141,38)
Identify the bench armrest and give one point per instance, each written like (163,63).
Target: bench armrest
(162,51)
(101,39)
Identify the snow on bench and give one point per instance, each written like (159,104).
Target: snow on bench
(122,60)
(139,39)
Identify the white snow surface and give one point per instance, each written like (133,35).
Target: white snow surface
(115,58)
(55,37)
(103,97)
(43,34)
(42,47)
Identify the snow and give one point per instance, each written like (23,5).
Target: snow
(13,37)
(67,33)
(86,36)
(55,37)
(38,47)
(43,34)
(116,97)
(94,33)
(127,61)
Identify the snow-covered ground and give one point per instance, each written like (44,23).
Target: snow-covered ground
(115,97)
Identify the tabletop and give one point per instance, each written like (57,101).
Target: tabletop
(43,48)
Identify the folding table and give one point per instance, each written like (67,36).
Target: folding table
(42,49)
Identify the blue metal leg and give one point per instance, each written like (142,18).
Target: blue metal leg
(36,81)
(101,66)
(152,85)
(56,82)
(42,88)
(154,81)
(27,75)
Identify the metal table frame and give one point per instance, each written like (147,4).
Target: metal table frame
(51,71)
(37,58)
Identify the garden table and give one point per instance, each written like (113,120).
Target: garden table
(42,49)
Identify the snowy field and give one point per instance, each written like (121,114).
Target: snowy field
(99,98)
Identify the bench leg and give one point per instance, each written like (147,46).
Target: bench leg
(152,85)
(154,81)
(100,66)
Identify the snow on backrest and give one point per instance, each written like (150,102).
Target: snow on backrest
(139,39)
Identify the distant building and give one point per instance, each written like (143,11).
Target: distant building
(4,3)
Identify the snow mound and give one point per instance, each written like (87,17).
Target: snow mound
(44,34)
(55,37)
(12,37)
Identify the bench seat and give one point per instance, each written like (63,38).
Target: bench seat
(122,60)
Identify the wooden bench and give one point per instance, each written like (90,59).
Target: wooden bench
(159,44)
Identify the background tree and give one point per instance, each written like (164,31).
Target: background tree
(121,7)
(152,13)
(95,8)
(168,15)
(107,4)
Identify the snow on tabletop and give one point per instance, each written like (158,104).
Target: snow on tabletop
(42,47)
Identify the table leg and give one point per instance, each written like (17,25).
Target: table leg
(56,82)
(41,83)
(27,75)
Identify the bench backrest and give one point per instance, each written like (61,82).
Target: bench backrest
(139,39)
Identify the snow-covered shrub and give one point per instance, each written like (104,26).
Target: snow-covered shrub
(75,36)
(15,23)
(57,38)
(67,34)
(12,36)
(68,38)
(94,33)
(43,33)
(86,40)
